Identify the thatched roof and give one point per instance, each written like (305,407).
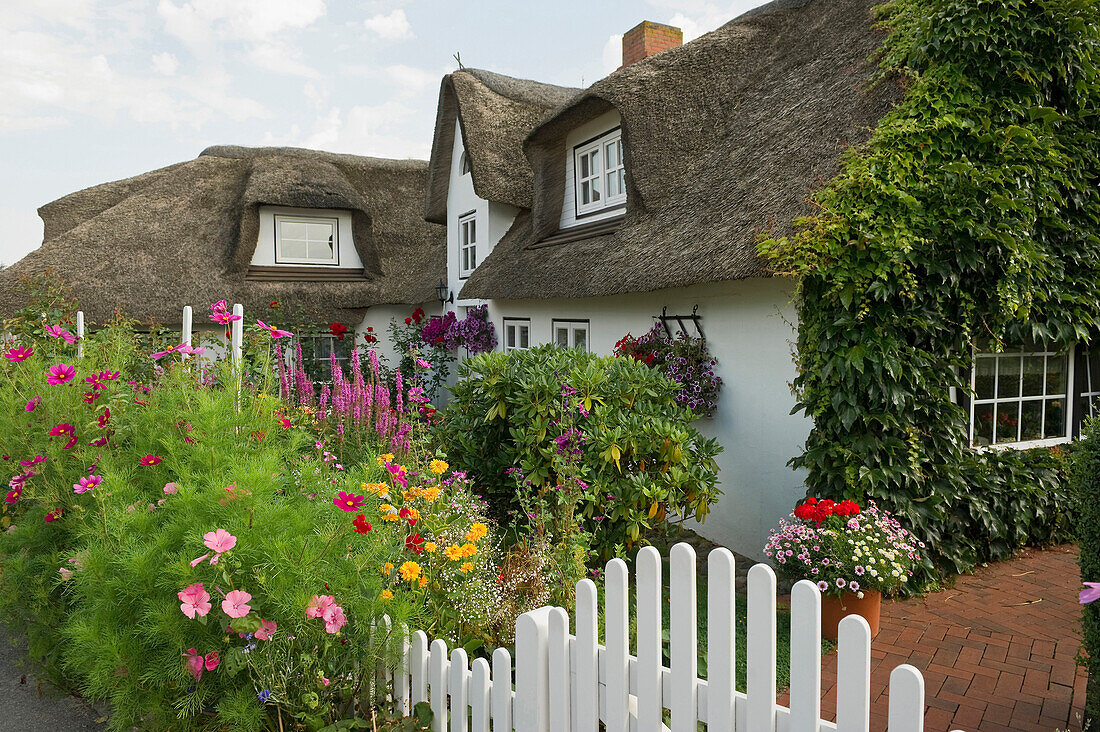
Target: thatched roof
(185,234)
(726,138)
(497,113)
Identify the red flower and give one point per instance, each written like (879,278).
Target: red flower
(338,330)
(418,315)
(91,396)
(415,543)
(275,305)
(54,515)
(408,321)
(361,524)
(104,418)
(407,514)
(150,460)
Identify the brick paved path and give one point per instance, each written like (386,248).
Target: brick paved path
(996,650)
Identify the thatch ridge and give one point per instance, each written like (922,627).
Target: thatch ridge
(497,113)
(726,138)
(185,234)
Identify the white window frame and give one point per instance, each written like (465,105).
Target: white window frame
(571,327)
(512,327)
(599,148)
(1090,388)
(1067,397)
(467,246)
(287,218)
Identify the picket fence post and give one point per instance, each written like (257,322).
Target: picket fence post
(80,334)
(237,336)
(805,657)
(532,705)
(185,329)
(760,673)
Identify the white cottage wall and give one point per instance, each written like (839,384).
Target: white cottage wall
(749,328)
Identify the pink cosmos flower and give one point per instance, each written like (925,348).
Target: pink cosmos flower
(193,663)
(150,460)
(13,495)
(57,332)
(38,458)
(171,489)
(1091,593)
(334,619)
(69,445)
(107,375)
(86,484)
(18,480)
(219,541)
(423,364)
(267,629)
(18,355)
(194,601)
(60,374)
(318,605)
(61,429)
(161,354)
(235,604)
(33,403)
(349,502)
(398,472)
(54,515)
(104,418)
(220,313)
(275,332)
(98,443)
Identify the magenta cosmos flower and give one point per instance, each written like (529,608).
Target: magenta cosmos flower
(62,429)
(235,604)
(219,313)
(41,458)
(17,355)
(275,332)
(1091,593)
(60,374)
(348,502)
(150,460)
(219,541)
(87,483)
(33,404)
(195,600)
(58,332)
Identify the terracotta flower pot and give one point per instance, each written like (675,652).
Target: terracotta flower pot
(834,609)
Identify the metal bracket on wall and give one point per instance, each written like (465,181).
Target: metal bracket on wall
(695,319)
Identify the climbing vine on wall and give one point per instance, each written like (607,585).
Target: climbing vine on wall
(971,217)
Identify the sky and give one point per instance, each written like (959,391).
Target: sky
(98,90)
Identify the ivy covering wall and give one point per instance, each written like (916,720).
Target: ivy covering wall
(971,217)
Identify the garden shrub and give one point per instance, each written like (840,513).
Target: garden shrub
(970,216)
(598,435)
(684,359)
(147,488)
(1085,480)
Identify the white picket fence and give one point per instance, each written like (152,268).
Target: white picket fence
(571,682)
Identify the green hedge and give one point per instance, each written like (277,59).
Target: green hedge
(1086,487)
(640,457)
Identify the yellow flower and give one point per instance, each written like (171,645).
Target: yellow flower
(390,517)
(430,547)
(430,494)
(379,489)
(410,495)
(468,550)
(453,552)
(410,571)
(477,532)
(387,595)
(423,580)
(385,458)
(438,467)
(414,515)
(466,567)
(387,567)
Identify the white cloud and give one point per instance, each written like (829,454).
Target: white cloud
(282,60)
(23,233)
(696,17)
(393,26)
(165,63)
(198,22)
(388,130)
(612,57)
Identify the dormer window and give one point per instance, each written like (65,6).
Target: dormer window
(306,240)
(600,177)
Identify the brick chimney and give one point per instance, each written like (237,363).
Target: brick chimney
(648,38)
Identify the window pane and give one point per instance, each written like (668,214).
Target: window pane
(595,189)
(580,339)
(984,373)
(1056,418)
(1056,374)
(1094,370)
(983,424)
(612,185)
(1008,422)
(319,232)
(1031,420)
(293,248)
(1008,376)
(586,197)
(584,166)
(473,232)
(612,155)
(320,250)
(1034,373)
(594,158)
(523,342)
(292,230)
(561,337)
(510,336)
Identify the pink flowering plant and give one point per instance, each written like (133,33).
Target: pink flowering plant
(844,548)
